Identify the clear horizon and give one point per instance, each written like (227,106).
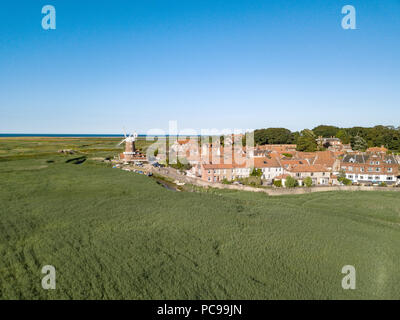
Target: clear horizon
(144,133)
(206,64)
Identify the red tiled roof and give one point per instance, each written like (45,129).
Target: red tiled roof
(325,158)
(282,176)
(307,168)
(377,149)
(264,162)
(223,165)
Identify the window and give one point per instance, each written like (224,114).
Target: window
(378,169)
(323,173)
(371,162)
(209,171)
(361,177)
(298,174)
(362,169)
(377,178)
(209,178)
(377,162)
(390,178)
(370,169)
(369,177)
(389,169)
(350,176)
(350,168)
(389,161)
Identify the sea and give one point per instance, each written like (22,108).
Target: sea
(52,135)
(67,135)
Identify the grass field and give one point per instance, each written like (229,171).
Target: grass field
(113,234)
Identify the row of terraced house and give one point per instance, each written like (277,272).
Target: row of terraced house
(216,163)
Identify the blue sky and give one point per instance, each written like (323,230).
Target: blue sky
(207,64)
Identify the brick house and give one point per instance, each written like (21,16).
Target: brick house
(269,166)
(218,172)
(366,168)
(319,174)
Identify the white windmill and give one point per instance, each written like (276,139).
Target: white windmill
(129,143)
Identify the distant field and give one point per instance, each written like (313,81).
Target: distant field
(34,147)
(113,234)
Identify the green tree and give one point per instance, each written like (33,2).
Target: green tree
(278,183)
(345,181)
(343,136)
(273,136)
(325,131)
(359,143)
(308,133)
(308,182)
(256,172)
(291,182)
(306,144)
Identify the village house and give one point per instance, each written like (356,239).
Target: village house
(264,150)
(319,174)
(217,163)
(333,144)
(370,168)
(269,166)
(220,172)
(381,150)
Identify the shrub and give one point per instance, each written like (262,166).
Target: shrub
(345,181)
(383,184)
(278,183)
(291,182)
(289,155)
(256,172)
(226,181)
(308,182)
